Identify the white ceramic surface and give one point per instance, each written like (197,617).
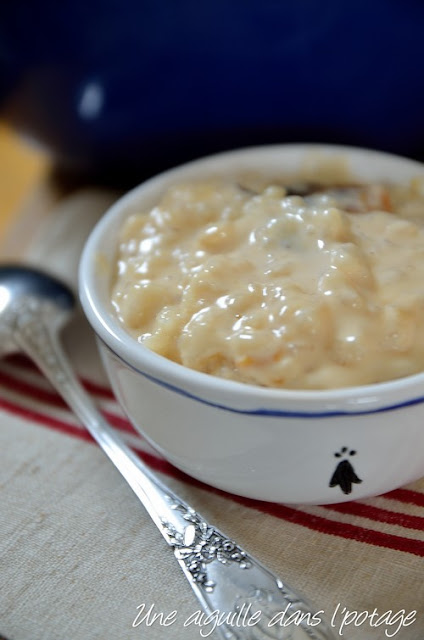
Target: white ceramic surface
(269,444)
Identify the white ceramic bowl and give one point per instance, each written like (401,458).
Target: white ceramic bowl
(269,444)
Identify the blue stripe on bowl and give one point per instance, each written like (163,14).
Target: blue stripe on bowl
(274,413)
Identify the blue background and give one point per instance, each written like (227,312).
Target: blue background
(124,88)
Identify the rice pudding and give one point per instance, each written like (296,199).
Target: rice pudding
(303,286)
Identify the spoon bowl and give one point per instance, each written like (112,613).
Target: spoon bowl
(23,290)
(18,282)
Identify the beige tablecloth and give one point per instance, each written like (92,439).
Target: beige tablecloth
(79,555)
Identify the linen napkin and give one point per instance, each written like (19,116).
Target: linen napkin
(79,556)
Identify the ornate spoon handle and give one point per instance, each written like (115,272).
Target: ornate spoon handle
(242,599)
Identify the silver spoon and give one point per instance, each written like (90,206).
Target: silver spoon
(243,599)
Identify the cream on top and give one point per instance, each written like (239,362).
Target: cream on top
(277,290)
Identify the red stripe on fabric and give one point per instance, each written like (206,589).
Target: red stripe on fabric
(345,530)
(407,496)
(379,515)
(97,389)
(20,360)
(48,421)
(52,398)
(27,389)
(282,512)
(120,423)
(69,429)
(23,362)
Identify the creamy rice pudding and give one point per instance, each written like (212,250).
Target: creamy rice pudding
(304,287)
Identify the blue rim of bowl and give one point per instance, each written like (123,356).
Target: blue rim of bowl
(267,413)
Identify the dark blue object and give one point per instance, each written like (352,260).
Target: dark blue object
(132,87)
